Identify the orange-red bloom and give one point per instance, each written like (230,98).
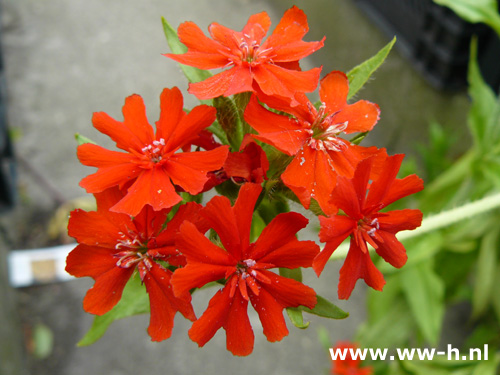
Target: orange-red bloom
(151,164)
(364,222)
(348,365)
(244,267)
(312,136)
(269,66)
(113,245)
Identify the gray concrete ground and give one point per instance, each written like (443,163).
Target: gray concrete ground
(68,59)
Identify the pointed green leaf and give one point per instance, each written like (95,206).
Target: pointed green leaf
(192,74)
(361,73)
(134,301)
(296,317)
(82,139)
(326,309)
(485,273)
(424,292)
(474,11)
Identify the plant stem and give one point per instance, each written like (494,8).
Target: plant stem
(439,221)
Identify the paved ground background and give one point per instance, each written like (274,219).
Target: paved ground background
(68,59)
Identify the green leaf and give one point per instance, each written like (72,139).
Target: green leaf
(82,139)
(192,74)
(134,301)
(326,309)
(361,73)
(295,273)
(296,317)
(424,292)
(484,104)
(474,11)
(485,273)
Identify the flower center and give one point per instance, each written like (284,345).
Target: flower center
(250,51)
(368,225)
(154,151)
(324,132)
(242,269)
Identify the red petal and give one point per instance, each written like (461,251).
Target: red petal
(358,265)
(91,261)
(292,27)
(203,52)
(295,51)
(241,82)
(93,229)
(289,292)
(311,175)
(243,211)
(198,248)
(271,315)
(109,177)
(275,80)
(171,113)
(219,213)
(334,230)
(190,212)
(347,194)
(333,91)
(286,134)
(360,116)
(192,36)
(107,199)
(391,249)
(387,189)
(163,303)
(107,290)
(257,26)
(226,37)
(196,275)
(293,255)
(97,156)
(278,233)
(239,333)
(395,221)
(214,86)
(118,132)
(214,317)
(134,115)
(189,126)
(152,187)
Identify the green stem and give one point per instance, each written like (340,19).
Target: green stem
(439,221)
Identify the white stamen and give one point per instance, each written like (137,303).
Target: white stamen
(249,262)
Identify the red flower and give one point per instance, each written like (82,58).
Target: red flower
(151,164)
(348,366)
(249,165)
(113,245)
(366,224)
(244,266)
(312,136)
(271,66)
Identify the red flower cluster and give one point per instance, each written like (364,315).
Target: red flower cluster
(142,224)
